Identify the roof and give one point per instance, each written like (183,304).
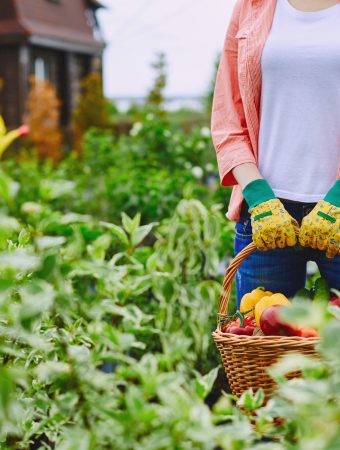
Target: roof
(97,3)
(60,23)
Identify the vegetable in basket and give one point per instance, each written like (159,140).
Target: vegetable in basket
(241,325)
(266,302)
(250,299)
(335,301)
(273,325)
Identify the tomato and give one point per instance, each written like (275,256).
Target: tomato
(247,330)
(272,325)
(236,327)
(335,301)
(307,332)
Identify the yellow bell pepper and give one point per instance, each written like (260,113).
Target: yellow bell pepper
(249,300)
(264,303)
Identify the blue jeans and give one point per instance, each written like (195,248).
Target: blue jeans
(281,269)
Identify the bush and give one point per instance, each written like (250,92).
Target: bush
(92,108)
(43,113)
(109,284)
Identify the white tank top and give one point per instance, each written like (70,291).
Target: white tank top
(299,136)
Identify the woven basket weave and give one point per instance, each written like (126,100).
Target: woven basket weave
(246,358)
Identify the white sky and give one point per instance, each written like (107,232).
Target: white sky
(190,32)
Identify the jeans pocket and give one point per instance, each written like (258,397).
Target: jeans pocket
(243,228)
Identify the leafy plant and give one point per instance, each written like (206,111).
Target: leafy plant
(92,109)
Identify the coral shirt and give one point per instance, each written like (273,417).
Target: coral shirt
(235,118)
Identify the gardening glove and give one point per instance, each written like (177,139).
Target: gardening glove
(272,225)
(320,229)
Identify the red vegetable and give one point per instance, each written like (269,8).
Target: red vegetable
(248,330)
(272,325)
(307,332)
(235,327)
(335,301)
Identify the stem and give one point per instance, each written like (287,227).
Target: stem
(240,315)
(184,271)
(249,310)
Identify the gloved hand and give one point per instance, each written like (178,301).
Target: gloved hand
(272,225)
(320,229)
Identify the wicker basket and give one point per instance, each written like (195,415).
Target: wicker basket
(246,358)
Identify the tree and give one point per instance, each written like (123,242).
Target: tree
(156,97)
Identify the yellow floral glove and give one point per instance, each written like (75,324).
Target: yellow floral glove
(272,225)
(320,229)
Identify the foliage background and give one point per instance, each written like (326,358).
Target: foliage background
(111,267)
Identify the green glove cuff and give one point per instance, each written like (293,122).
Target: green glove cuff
(257,191)
(333,195)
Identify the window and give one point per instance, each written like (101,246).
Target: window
(40,69)
(44,64)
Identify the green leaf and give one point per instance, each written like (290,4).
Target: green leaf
(24,238)
(140,233)
(51,189)
(129,224)
(97,250)
(45,242)
(77,439)
(117,231)
(51,370)
(203,384)
(19,260)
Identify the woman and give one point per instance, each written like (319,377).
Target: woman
(275,126)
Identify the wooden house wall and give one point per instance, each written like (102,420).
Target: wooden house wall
(10,85)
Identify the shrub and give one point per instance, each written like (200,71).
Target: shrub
(92,108)
(43,118)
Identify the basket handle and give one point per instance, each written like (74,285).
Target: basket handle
(230,274)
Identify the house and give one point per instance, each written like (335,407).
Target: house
(58,40)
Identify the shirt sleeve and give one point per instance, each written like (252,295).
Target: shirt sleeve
(228,124)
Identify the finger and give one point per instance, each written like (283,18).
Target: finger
(258,241)
(295,223)
(322,241)
(303,236)
(331,252)
(269,239)
(303,241)
(313,241)
(291,238)
(306,234)
(280,239)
